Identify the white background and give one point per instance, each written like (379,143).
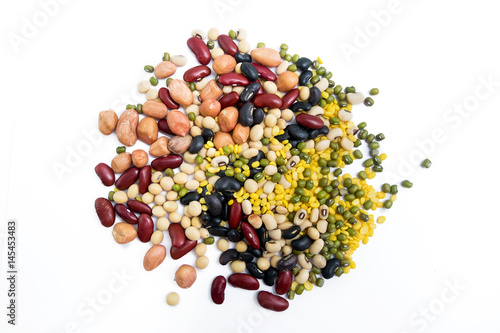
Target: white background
(429,57)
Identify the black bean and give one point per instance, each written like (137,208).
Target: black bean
(215,221)
(221,173)
(305,77)
(249,92)
(260,155)
(297,132)
(214,204)
(270,276)
(291,232)
(218,231)
(258,116)
(225,212)
(227,256)
(303,63)
(229,184)
(294,142)
(314,96)
(254,270)
(196,144)
(302,243)
(234,235)
(242,57)
(246,256)
(190,196)
(250,72)
(207,134)
(313,134)
(329,270)
(288,262)
(324,130)
(263,235)
(284,136)
(254,171)
(301,106)
(205,218)
(257,253)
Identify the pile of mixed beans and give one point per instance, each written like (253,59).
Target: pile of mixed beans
(252,160)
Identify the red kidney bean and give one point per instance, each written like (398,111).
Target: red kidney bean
(235,214)
(250,235)
(139,207)
(200,50)
(144,179)
(105,212)
(127,178)
(165,97)
(145,228)
(196,73)
(267,100)
(179,252)
(218,288)
(126,214)
(272,302)
(264,72)
(227,45)
(233,79)
(105,173)
(284,282)
(228,100)
(309,121)
(289,98)
(163,126)
(244,281)
(171,161)
(177,234)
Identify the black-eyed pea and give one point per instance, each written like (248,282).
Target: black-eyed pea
(148,198)
(192,233)
(202,262)
(203,166)
(213,33)
(322,226)
(144,86)
(276,146)
(216,52)
(222,244)
(133,191)
(314,215)
(309,144)
(274,260)
(189,158)
(244,46)
(198,121)
(302,276)
(280,218)
(250,152)
(283,67)
(156,177)
(237,69)
(196,98)
(282,242)
(271,156)
(227,89)
(212,180)
(155,189)
(159,199)
(305,225)
(304,262)
(269,221)
(285,225)
(158,211)
(196,222)
(287,114)
(185,222)
(346,144)
(246,207)
(275,234)
(241,246)
(167,183)
(152,94)
(238,89)
(194,109)
(244,147)
(157,237)
(238,266)
(255,144)
(257,132)
(120,197)
(162,223)
(273,246)
(268,255)
(174,217)
(322,145)
(201,84)
(204,233)
(211,152)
